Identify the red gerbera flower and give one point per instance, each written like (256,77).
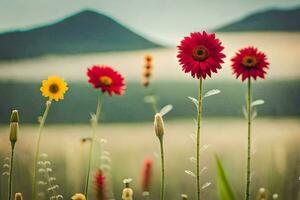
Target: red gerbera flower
(100,185)
(249,62)
(201,54)
(146,174)
(107,79)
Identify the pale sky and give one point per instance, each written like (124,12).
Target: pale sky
(159,20)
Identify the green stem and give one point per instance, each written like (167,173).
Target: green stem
(199,117)
(248,179)
(37,152)
(10,180)
(94,123)
(162,156)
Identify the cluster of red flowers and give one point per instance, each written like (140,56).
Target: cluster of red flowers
(201,54)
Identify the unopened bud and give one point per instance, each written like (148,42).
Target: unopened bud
(159,125)
(18,196)
(14,117)
(14,126)
(127,194)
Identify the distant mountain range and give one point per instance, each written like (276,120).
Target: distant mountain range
(84,32)
(271,20)
(89,31)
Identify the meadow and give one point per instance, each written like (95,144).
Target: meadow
(126,123)
(275,161)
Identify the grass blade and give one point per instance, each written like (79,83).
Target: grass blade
(224,188)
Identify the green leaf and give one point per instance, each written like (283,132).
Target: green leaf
(195,101)
(257,102)
(211,93)
(223,185)
(166,109)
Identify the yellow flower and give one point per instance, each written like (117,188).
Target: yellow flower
(54,88)
(78,196)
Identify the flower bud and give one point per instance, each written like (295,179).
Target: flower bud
(127,194)
(159,125)
(14,116)
(18,196)
(14,126)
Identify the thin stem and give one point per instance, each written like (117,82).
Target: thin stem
(162,156)
(199,117)
(10,180)
(94,123)
(248,180)
(37,152)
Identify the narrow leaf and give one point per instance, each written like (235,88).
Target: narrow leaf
(190,173)
(211,93)
(257,102)
(205,185)
(166,109)
(195,101)
(224,188)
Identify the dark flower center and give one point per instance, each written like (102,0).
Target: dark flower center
(53,88)
(249,61)
(105,80)
(200,53)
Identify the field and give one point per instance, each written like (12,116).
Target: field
(127,121)
(275,160)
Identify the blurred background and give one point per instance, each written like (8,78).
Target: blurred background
(41,38)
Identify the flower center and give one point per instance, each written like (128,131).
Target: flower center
(249,61)
(105,80)
(200,53)
(53,88)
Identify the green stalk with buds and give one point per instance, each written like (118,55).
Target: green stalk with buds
(13,137)
(160,131)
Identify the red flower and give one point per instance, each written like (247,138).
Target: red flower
(249,62)
(100,185)
(146,174)
(201,54)
(107,79)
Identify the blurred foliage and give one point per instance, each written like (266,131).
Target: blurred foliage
(224,187)
(281,98)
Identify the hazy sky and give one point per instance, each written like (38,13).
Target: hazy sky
(162,20)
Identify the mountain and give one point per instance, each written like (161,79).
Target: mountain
(84,32)
(271,20)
